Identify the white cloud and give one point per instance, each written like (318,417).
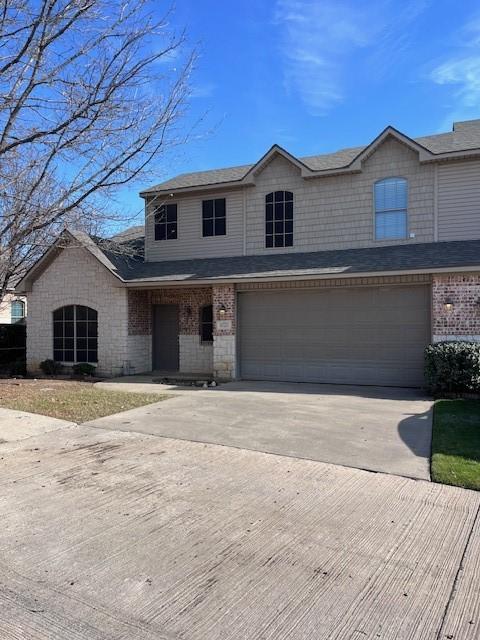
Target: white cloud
(320,38)
(462,70)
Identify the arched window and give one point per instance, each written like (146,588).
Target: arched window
(391,197)
(206,323)
(17,311)
(279,219)
(75,331)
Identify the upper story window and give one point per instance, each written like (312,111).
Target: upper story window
(75,330)
(206,323)
(279,219)
(166,222)
(17,311)
(391,197)
(214,217)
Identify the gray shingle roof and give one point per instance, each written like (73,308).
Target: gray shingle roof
(408,257)
(464,137)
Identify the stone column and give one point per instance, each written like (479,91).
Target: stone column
(224,338)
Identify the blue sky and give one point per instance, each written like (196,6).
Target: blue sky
(316,76)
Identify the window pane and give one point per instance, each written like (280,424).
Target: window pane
(172,231)
(92,343)
(279,196)
(220,227)
(69,329)
(279,211)
(92,356)
(81,312)
(391,193)
(58,355)
(92,329)
(92,315)
(58,314)
(68,343)
(289,239)
(160,214)
(208,228)
(58,343)
(279,241)
(278,227)
(68,356)
(207,208)
(391,225)
(269,227)
(81,343)
(269,241)
(269,197)
(172,213)
(68,313)
(82,356)
(289,211)
(269,212)
(288,196)
(289,226)
(160,232)
(57,329)
(220,208)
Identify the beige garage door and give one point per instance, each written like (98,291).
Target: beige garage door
(368,335)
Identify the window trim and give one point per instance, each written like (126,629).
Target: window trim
(165,223)
(17,319)
(202,323)
(70,363)
(284,233)
(214,217)
(374,206)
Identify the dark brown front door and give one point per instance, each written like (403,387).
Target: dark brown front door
(165,337)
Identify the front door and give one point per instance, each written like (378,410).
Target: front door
(165,337)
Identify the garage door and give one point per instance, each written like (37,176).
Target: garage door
(368,335)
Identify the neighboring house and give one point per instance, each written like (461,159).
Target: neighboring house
(334,268)
(13,309)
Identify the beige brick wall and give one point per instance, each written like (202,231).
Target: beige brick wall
(462,320)
(76,277)
(224,329)
(337,212)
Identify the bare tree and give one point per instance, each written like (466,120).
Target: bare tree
(88,99)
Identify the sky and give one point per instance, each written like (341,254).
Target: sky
(317,76)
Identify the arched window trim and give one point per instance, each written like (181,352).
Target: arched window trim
(396,216)
(206,323)
(75,334)
(15,317)
(279,219)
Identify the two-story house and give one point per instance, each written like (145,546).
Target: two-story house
(335,268)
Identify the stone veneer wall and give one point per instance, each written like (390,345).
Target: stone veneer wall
(224,330)
(462,321)
(76,277)
(195,355)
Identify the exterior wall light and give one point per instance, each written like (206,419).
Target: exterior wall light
(222,310)
(448,304)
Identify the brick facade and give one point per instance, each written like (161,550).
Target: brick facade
(462,320)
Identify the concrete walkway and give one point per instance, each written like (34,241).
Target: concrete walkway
(375,428)
(18,425)
(108,534)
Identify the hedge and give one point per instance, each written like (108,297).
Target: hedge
(453,367)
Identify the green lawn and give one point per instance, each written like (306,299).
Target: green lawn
(456,443)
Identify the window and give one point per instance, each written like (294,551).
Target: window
(214,217)
(279,219)
(166,222)
(17,311)
(391,195)
(75,330)
(206,323)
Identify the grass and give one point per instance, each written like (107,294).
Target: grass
(456,443)
(70,400)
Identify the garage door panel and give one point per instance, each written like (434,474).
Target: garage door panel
(369,335)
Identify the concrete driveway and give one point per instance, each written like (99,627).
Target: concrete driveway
(113,535)
(374,428)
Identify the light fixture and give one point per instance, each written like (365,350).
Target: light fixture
(222,310)
(448,304)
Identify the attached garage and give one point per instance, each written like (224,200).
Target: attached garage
(349,335)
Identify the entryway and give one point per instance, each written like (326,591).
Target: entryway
(165,347)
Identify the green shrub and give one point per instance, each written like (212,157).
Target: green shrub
(84,369)
(453,367)
(51,367)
